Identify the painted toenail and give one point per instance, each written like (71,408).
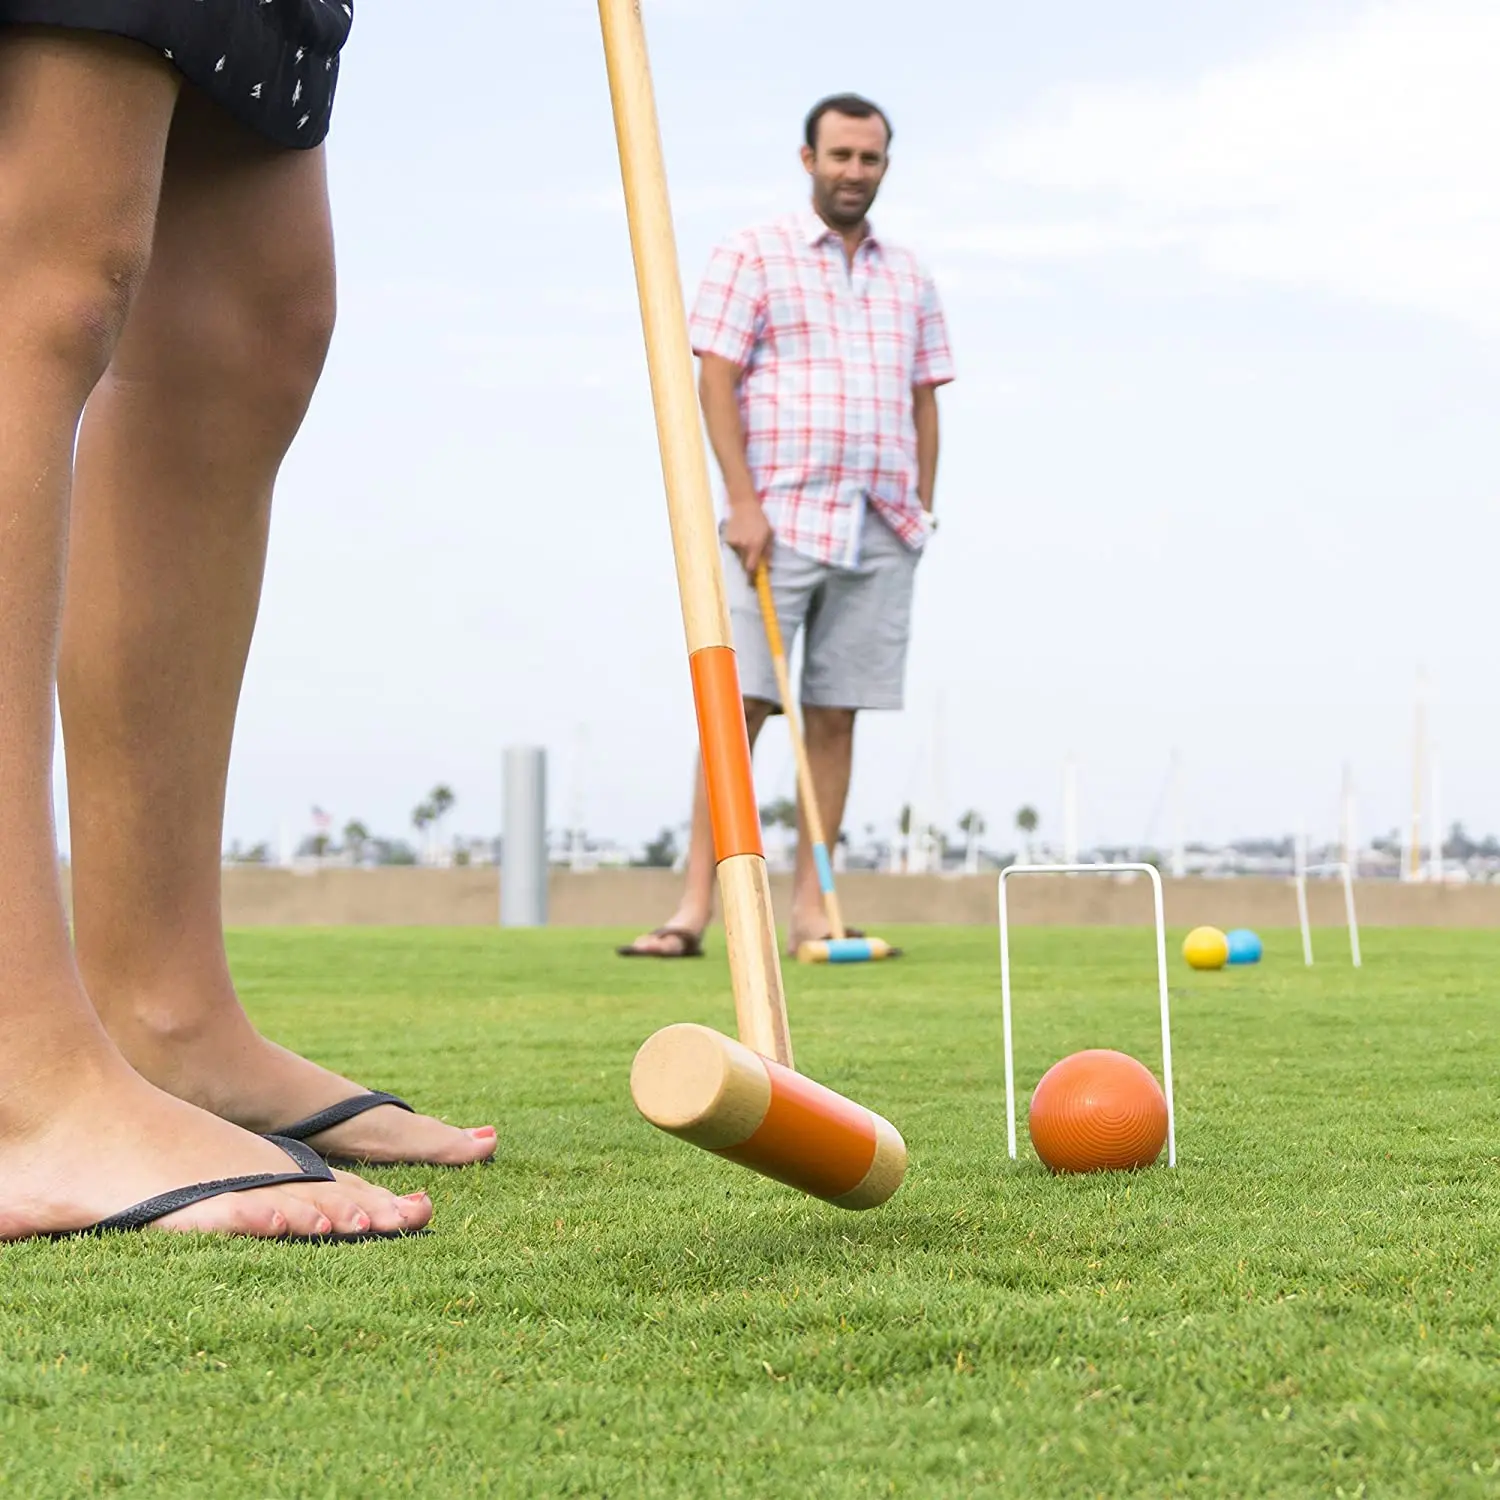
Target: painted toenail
(483,1133)
(361,1222)
(324,1226)
(278,1221)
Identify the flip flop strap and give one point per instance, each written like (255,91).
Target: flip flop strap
(336,1114)
(313,1169)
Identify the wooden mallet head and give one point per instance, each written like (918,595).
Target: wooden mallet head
(708,1089)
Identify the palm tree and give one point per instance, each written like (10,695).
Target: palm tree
(440,799)
(934,849)
(901,853)
(1027,822)
(356,836)
(782,814)
(421,820)
(661,852)
(971,825)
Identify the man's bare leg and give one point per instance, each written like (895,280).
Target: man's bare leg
(696,908)
(829,733)
(83,126)
(177,459)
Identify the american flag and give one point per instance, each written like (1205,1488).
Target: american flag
(322,821)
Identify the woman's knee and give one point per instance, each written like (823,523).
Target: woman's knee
(254,337)
(297,314)
(80,179)
(63,305)
(296,323)
(272,346)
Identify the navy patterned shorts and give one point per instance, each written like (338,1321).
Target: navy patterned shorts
(273,64)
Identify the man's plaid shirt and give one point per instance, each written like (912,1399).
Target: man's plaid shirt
(831,352)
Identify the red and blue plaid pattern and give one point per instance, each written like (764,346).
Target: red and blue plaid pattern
(831,351)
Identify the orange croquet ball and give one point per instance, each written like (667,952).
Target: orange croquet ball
(1098,1111)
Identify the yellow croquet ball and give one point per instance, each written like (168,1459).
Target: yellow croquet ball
(1206,948)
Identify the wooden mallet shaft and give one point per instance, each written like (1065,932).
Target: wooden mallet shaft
(744,883)
(681,1088)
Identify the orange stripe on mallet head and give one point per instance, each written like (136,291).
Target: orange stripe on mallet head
(740,1099)
(707,1088)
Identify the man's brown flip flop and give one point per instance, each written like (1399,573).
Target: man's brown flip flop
(692,945)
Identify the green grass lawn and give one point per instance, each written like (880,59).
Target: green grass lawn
(1306,1305)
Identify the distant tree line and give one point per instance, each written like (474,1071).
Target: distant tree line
(360,846)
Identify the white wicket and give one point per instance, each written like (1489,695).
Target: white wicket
(1300,881)
(1151,873)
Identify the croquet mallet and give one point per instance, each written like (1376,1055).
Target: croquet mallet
(741,1099)
(838,949)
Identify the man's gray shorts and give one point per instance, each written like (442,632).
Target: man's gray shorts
(856,622)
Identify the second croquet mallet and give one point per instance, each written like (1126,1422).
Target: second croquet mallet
(839,948)
(741,1099)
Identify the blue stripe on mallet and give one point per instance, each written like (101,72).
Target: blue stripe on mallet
(825,869)
(850,950)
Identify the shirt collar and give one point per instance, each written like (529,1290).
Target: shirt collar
(817,231)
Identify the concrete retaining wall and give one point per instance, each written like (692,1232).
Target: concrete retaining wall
(405,896)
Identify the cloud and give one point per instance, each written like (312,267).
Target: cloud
(1359,161)
(1053,241)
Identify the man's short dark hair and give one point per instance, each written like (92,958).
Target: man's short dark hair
(844,104)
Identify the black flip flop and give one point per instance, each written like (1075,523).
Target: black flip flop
(311,1169)
(348,1109)
(692,945)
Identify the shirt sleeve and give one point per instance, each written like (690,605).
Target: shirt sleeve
(727,313)
(934,362)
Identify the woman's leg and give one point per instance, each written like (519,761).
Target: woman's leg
(83,124)
(177,459)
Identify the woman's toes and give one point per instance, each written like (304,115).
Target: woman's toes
(385,1215)
(416,1210)
(385,1136)
(341,1211)
(305,1217)
(263,1213)
(383,1210)
(448,1146)
(352,1205)
(256,1213)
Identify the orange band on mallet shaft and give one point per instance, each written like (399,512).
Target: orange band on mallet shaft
(726,752)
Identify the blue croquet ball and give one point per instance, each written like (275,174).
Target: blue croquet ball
(1244,946)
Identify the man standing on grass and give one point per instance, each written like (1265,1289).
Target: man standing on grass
(821,347)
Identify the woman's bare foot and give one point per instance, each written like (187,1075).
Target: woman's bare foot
(211,1055)
(72,1157)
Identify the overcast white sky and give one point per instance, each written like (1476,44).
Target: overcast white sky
(1219,473)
